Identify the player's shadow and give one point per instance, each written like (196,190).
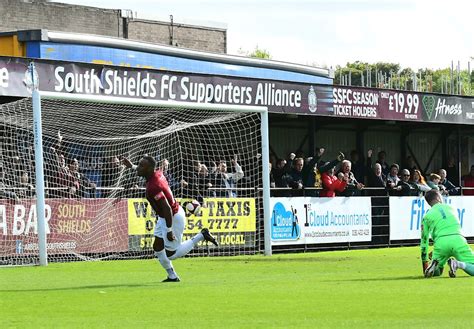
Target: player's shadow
(399,278)
(99,286)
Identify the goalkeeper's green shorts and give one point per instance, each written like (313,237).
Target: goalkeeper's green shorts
(452,246)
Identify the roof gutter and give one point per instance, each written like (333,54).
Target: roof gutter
(103,41)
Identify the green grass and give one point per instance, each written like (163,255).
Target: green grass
(358,289)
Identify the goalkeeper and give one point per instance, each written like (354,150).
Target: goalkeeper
(442,224)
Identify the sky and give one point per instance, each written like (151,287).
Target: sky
(324,33)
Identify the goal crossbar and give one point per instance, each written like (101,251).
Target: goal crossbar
(151,102)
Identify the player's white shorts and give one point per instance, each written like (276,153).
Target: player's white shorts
(178,228)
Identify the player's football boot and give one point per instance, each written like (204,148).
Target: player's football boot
(453,266)
(208,237)
(429,272)
(171,280)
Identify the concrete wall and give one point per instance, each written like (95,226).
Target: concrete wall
(24,15)
(36,14)
(184,36)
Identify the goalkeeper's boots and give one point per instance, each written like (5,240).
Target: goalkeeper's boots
(453,266)
(168,279)
(430,271)
(208,237)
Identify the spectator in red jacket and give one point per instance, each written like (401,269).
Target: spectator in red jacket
(331,183)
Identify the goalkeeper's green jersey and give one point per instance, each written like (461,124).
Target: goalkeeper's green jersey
(441,220)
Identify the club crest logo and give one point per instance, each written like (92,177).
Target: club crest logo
(31,79)
(312,100)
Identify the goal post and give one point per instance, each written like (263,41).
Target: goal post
(94,128)
(39,170)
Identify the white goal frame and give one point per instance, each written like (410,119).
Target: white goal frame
(38,95)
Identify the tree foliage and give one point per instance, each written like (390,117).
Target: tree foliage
(391,75)
(256,53)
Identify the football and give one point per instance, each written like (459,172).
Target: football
(193,207)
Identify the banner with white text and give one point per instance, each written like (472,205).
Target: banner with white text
(278,96)
(72,226)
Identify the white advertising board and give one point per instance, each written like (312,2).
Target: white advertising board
(406,214)
(307,220)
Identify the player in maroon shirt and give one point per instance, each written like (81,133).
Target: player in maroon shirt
(170,218)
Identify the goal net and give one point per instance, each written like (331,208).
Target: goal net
(95,207)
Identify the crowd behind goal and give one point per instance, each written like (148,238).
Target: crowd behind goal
(72,175)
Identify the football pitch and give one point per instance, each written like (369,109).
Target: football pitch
(380,288)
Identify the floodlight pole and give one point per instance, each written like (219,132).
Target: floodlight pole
(38,138)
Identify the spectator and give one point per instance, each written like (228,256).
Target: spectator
(111,176)
(392,178)
(82,186)
(311,174)
(5,192)
(295,175)
(353,187)
(212,168)
(203,184)
(452,172)
(174,184)
(434,183)
(26,189)
(279,173)
(273,159)
(468,181)
(418,181)
(331,183)
(450,188)
(358,167)
(15,169)
(60,181)
(375,177)
(191,183)
(404,188)
(381,159)
(272,179)
(224,181)
(319,169)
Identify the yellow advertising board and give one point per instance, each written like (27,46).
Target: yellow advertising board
(220,215)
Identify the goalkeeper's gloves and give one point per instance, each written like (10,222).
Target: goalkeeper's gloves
(425,264)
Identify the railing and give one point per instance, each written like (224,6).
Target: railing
(276,191)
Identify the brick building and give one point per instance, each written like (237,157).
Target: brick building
(55,16)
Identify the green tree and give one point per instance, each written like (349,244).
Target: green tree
(391,75)
(256,53)
(365,74)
